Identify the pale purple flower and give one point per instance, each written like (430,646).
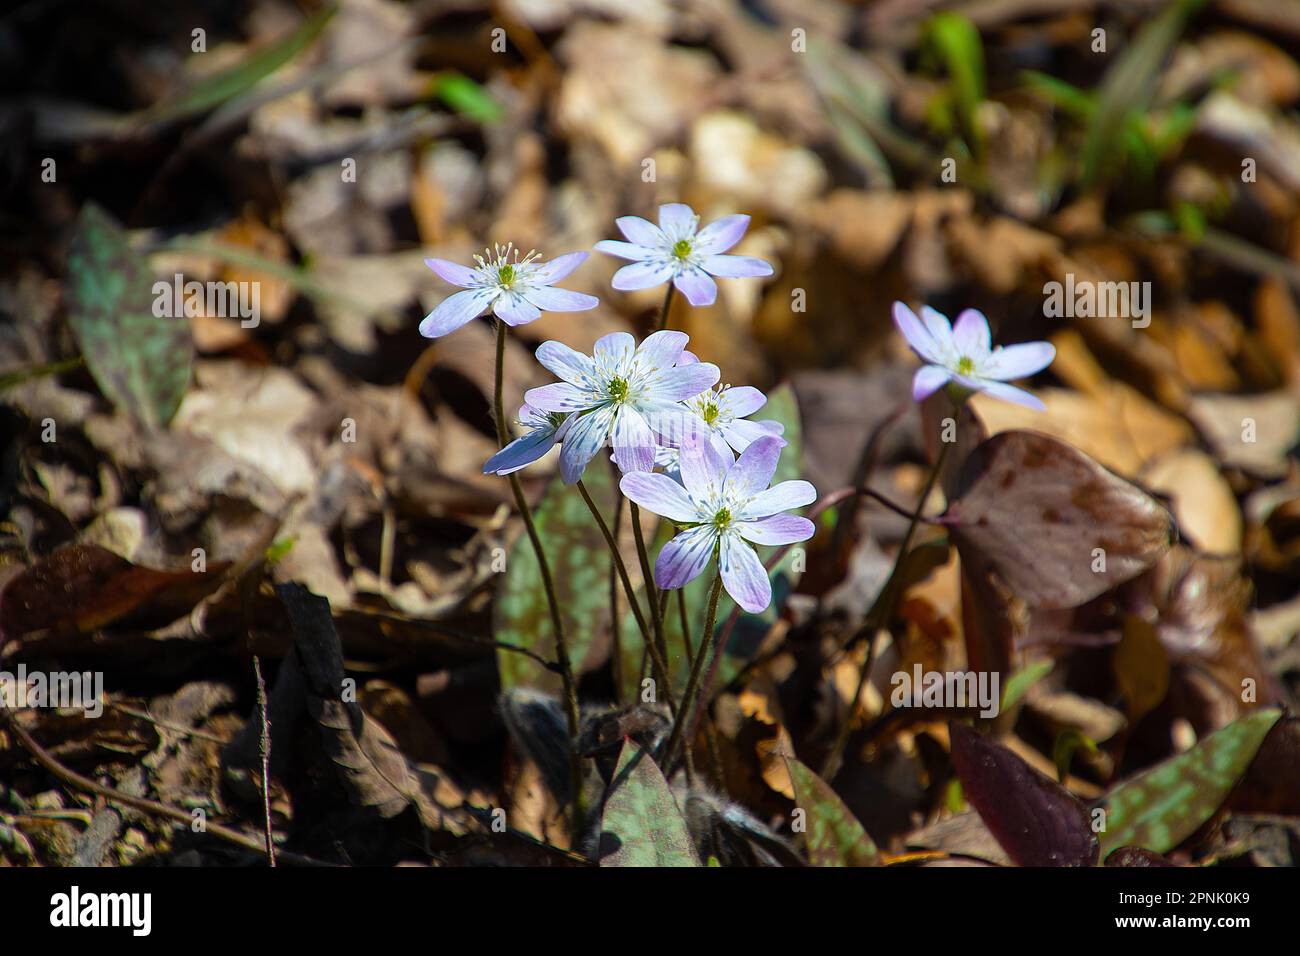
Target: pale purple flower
(679,250)
(724,505)
(518,289)
(541,431)
(963,354)
(625,394)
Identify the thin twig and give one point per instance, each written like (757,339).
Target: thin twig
(876,617)
(73,779)
(264,745)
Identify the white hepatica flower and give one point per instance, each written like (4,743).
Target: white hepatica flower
(678,250)
(963,354)
(726,505)
(541,431)
(518,289)
(625,394)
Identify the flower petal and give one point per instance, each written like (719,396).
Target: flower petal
(777,529)
(625,250)
(928,380)
(634,442)
(755,467)
(677,220)
(558,397)
(513,309)
(970,334)
(659,494)
(936,323)
(682,559)
(520,452)
(703,467)
(454,272)
(642,275)
(549,299)
(742,401)
(662,349)
(569,364)
(736,267)
(1009,393)
(917,335)
(614,349)
(720,235)
(695,284)
(1017,361)
(585,437)
(685,381)
(641,232)
(743,575)
(454,311)
(782,496)
(740,434)
(548,273)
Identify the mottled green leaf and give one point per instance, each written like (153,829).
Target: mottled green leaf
(140,361)
(229,83)
(749,629)
(579,562)
(1159,809)
(834,836)
(641,824)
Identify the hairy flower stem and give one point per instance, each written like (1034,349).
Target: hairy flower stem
(667,307)
(615,621)
(659,664)
(705,650)
(548,585)
(647,575)
(876,618)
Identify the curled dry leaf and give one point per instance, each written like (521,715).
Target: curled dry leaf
(1056,527)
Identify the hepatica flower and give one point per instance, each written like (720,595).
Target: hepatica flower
(725,506)
(624,394)
(963,355)
(678,250)
(517,289)
(541,431)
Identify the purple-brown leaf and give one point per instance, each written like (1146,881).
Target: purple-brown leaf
(1056,527)
(1038,822)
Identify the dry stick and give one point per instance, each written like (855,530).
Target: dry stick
(548,583)
(659,664)
(707,645)
(73,779)
(265,747)
(876,619)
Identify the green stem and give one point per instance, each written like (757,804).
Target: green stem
(658,663)
(702,654)
(615,621)
(647,575)
(685,624)
(548,584)
(667,307)
(876,618)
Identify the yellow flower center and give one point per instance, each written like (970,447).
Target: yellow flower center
(965,366)
(682,248)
